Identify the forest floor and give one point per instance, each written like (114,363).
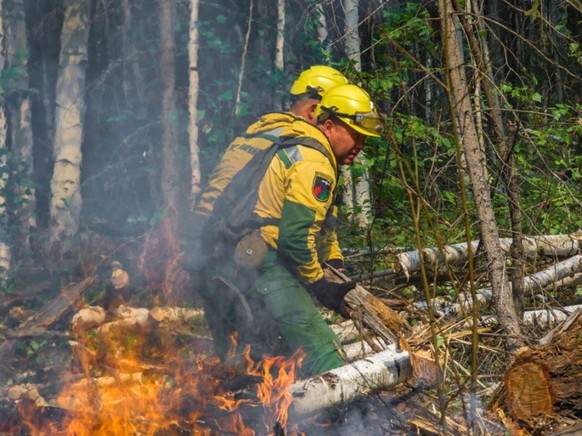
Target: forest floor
(156,374)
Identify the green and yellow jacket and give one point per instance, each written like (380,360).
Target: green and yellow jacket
(258,136)
(297,190)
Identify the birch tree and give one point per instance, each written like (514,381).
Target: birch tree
(193,102)
(358,192)
(66,201)
(460,104)
(5,251)
(322,34)
(280,45)
(20,132)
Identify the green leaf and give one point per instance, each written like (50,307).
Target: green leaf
(440,341)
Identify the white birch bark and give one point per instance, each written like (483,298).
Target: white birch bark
(457,254)
(557,273)
(361,196)
(66,201)
(342,385)
(478,174)
(19,109)
(280,45)
(193,103)
(5,252)
(352,36)
(547,317)
(322,33)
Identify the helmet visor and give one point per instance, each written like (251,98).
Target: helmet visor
(370,123)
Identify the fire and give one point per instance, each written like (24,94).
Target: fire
(127,383)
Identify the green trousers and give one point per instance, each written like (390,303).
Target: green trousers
(296,316)
(284,316)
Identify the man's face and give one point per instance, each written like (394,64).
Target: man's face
(345,141)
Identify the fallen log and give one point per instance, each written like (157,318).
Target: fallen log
(369,311)
(342,385)
(546,378)
(575,280)
(457,254)
(542,317)
(539,280)
(549,316)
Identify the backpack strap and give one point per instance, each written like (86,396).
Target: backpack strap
(235,206)
(310,142)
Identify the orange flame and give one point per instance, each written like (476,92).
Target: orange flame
(122,385)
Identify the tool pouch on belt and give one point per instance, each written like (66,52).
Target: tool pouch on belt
(250,251)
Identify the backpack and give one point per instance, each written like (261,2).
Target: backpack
(233,215)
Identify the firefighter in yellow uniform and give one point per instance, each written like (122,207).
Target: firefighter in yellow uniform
(294,199)
(306,92)
(297,192)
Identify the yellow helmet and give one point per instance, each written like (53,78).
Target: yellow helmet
(352,105)
(316,81)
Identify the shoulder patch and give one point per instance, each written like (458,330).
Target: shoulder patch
(321,187)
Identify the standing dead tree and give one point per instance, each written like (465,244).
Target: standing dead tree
(465,131)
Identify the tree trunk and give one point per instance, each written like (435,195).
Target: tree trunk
(193,103)
(358,191)
(322,34)
(478,175)
(280,45)
(172,169)
(352,36)
(133,83)
(170,175)
(20,129)
(507,173)
(66,201)
(241,73)
(5,248)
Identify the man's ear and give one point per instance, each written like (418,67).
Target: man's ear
(310,111)
(327,127)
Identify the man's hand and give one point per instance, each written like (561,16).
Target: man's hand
(331,294)
(336,264)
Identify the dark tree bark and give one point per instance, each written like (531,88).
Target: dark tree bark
(477,170)
(506,158)
(20,128)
